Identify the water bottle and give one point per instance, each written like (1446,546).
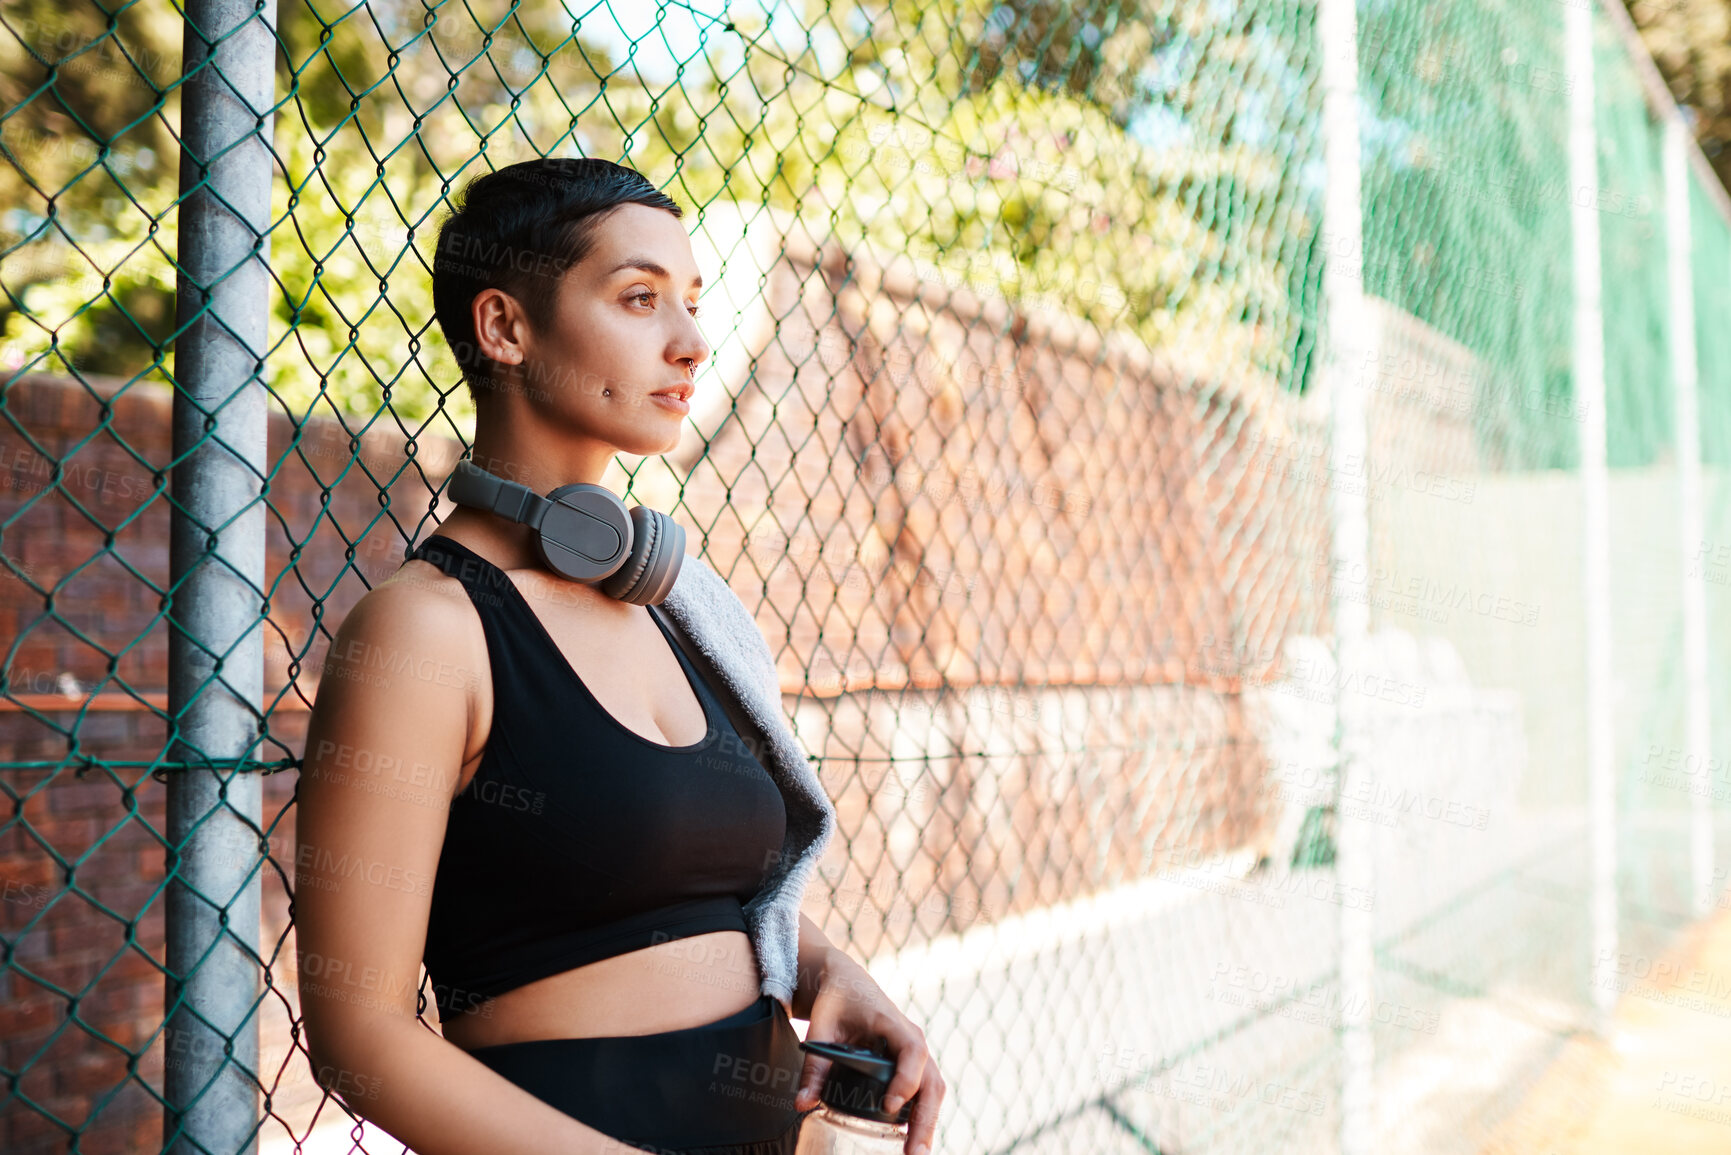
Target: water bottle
(851,1119)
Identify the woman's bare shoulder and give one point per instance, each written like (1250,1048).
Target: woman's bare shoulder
(419,596)
(404,681)
(417,621)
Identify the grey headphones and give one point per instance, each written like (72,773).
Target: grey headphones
(584,533)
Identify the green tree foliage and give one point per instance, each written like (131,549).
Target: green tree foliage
(1465,164)
(1690,41)
(1151,168)
(86,226)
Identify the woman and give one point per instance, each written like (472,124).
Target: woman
(517,779)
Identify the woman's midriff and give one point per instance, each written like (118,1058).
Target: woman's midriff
(666,987)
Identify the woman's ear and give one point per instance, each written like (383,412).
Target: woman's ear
(500,327)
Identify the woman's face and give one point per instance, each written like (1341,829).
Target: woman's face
(618,362)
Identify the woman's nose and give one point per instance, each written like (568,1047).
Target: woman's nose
(690,345)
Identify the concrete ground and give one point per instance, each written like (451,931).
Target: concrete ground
(1660,1082)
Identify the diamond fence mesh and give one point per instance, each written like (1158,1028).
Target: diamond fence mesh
(1016,438)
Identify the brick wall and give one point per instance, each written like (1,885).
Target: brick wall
(960,525)
(81,858)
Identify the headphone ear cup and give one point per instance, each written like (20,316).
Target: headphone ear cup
(657,549)
(586,534)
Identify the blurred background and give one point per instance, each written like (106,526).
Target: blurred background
(1237,491)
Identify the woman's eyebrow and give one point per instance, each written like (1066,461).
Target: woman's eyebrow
(649,266)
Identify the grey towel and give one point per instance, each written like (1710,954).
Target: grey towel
(723,630)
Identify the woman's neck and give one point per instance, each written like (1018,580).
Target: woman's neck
(526,448)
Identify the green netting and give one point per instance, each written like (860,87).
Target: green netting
(1467,206)
(1016,441)
(1711,234)
(1631,228)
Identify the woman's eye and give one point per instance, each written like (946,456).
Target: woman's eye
(646,295)
(694,310)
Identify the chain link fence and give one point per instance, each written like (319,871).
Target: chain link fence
(1258,653)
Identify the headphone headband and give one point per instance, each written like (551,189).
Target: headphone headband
(475,487)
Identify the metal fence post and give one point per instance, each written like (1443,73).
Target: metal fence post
(1345,342)
(217,558)
(1697,732)
(1589,382)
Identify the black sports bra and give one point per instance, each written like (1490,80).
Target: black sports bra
(578,838)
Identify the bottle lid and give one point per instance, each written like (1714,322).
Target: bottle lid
(858,1079)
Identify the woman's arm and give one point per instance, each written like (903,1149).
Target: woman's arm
(385,746)
(815,951)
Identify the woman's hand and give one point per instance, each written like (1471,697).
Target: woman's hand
(849,1007)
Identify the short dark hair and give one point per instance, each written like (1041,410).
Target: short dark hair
(519,229)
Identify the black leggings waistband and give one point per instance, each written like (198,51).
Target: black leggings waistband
(721,1088)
